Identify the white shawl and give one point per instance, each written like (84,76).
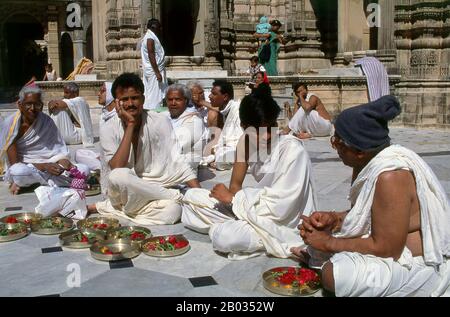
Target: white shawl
(434,208)
(232,130)
(42,143)
(157,155)
(80,110)
(159,54)
(283,194)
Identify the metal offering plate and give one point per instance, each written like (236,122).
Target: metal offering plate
(101,224)
(93,191)
(25,217)
(132,233)
(80,239)
(52,225)
(291,281)
(114,250)
(13,231)
(165,246)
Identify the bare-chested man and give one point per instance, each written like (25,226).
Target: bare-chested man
(395,240)
(310,118)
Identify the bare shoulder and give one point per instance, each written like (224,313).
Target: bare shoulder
(398,182)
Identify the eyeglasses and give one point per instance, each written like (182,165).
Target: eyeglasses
(36,106)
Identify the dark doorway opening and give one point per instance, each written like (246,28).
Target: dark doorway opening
(25,57)
(66,55)
(178,18)
(89,44)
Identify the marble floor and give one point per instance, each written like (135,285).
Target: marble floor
(37,266)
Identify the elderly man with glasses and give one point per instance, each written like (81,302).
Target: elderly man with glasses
(32,149)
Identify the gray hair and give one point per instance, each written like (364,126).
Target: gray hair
(29,90)
(193,84)
(72,87)
(185,91)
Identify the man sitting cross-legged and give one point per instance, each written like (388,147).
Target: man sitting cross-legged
(32,147)
(72,117)
(139,150)
(246,221)
(395,240)
(310,118)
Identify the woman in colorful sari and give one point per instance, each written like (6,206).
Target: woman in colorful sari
(274,39)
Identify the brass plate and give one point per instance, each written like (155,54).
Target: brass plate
(93,192)
(23,231)
(38,228)
(274,286)
(161,253)
(68,239)
(122,250)
(119,233)
(112,223)
(24,217)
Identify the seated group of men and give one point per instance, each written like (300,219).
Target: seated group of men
(394,241)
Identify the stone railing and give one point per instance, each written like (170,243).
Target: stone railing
(55,89)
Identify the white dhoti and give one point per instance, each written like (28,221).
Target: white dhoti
(25,175)
(311,123)
(428,275)
(207,215)
(155,91)
(369,276)
(263,218)
(140,201)
(70,133)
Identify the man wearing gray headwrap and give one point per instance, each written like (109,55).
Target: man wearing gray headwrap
(395,239)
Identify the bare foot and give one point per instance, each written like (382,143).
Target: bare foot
(301,254)
(92,209)
(14,189)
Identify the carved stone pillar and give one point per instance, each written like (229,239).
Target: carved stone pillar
(386,52)
(99,37)
(53,39)
(353,31)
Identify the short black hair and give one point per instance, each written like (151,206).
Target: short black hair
(225,87)
(254,59)
(152,22)
(275,22)
(127,80)
(258,109)
(298,85)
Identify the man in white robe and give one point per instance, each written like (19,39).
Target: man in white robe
(153,66)
(246,222)
(311,119)
(187,125)
(72,116)
(140,150)
(32,149)
(395,240)
(222,149)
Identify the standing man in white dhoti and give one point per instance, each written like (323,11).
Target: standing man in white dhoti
(311,118)
(153,66)
(245,222)
(32,149)
(395,240)
(221,150)
(141,152)
(72,116)
(187,125)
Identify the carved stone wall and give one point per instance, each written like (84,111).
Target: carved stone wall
(422,39)
(123,31)
(304,51)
